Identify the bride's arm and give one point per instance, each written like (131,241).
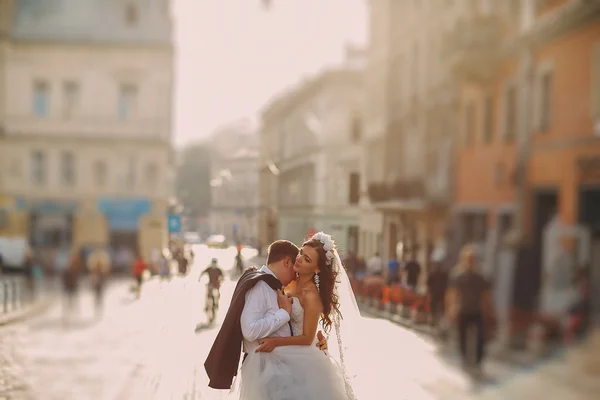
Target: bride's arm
(312,310)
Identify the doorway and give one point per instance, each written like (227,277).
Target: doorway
(393,242)
(589,216)
(529,266)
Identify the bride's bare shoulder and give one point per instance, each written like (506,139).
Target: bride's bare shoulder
(311,296)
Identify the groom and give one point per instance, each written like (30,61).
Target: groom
(258,309)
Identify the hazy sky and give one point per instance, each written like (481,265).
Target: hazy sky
(233,55)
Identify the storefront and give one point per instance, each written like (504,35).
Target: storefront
(123,219)
(50,222)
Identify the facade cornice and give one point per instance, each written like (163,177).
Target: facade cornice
(573,14)
(101,140)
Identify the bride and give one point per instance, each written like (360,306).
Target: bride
(293,368)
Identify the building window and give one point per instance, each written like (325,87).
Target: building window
(510,130)
(131,14)
(127,101)
(356,129)
(131,173)
(475,227)
(354,189)
(151,175)
(100,173)
(38,168)
(488,119)
(470,124)
(545,100)
(41,98)
(70,98)
(67,168)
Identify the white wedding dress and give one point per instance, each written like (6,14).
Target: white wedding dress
(292,372)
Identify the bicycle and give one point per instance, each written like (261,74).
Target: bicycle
(212,302)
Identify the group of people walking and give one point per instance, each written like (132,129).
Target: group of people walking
(97,265)
(459,297)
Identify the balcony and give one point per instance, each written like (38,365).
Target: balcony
(400,190)
(471,48)
(557,19)
(432,190)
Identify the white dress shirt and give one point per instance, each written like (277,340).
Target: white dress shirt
(262,316)
(375,265)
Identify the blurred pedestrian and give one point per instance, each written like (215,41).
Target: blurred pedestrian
(473,298)
(182,263)
(362,268)
(393,271)
(98,264)
(412,270)
(351,263)
(155,260)
(375,265)
(239,261)
(139,266)
(437,283)
(70,278)
(165,267)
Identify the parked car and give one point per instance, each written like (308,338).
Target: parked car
(13,252)
(192,238)
(217,241)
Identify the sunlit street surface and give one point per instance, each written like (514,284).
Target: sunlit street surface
(154,348)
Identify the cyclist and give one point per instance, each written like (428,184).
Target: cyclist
(215,277)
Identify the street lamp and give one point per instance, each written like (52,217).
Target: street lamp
(273,168)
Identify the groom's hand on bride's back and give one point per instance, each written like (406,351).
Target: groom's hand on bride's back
(284,301)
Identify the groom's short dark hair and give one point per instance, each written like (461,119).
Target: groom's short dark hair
(280,249)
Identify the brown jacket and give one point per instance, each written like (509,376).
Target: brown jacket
(222,362)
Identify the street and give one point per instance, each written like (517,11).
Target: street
(154,348)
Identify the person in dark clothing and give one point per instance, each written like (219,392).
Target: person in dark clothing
(437,283)
(182,264)
(71,281)
(472,290)
(215,277)
(239,262)
(413,272)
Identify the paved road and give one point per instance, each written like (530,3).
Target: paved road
(154,348)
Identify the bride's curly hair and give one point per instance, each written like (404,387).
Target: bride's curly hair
(327,279)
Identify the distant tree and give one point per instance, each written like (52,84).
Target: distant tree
(193,179)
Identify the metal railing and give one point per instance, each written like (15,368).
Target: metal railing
(15,294)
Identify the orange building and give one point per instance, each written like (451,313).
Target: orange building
(529,145)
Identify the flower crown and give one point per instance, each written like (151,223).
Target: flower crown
(328,245)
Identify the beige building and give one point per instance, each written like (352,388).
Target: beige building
(410,122)
(310,159)
(87,123)
(234,183)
